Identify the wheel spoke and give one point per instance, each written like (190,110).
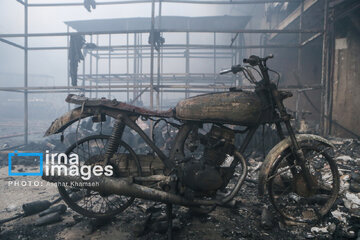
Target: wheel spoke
(96,204)
(298,204)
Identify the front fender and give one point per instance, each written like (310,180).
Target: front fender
(278,149)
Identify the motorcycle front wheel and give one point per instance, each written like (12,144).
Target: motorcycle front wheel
(289,192)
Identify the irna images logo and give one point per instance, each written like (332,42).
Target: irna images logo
(59,164)
(15,154)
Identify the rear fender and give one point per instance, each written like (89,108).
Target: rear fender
(278,149)
(76,114)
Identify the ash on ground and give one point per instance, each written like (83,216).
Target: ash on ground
(252,218)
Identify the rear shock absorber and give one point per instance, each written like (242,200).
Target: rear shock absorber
(114,140)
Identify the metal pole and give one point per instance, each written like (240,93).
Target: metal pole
(90,62)
(127,67)
(214,53)
(214,56)
(299,59)
(109,65)
(135,67)
(26,58)
(73,4)
(68,64)
(83,75)
(323,72)
(162,70)
(63,34)
(152,63)
(97,66)
(140,64)
(152,55)
(187,64)
(158,66)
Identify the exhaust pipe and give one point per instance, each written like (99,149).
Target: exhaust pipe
(127,188)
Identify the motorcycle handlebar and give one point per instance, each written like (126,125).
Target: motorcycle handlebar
(234,69)
(255,60)
(225,71)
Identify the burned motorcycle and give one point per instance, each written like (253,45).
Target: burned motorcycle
(203,168)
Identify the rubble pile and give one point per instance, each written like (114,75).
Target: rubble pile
(251,218)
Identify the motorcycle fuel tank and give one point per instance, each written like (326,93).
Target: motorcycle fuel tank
(238,107)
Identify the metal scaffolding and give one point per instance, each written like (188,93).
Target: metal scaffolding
(155,81)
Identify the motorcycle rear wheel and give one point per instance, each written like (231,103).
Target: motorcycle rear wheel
(91,151)
(289,193)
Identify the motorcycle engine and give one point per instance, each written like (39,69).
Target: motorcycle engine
(205,175)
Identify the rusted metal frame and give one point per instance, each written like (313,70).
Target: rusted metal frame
(169,164)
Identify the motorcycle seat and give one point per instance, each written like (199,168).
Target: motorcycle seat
(121,106)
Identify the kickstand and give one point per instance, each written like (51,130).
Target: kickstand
(169,216)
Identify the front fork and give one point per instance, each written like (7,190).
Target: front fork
(296,149)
